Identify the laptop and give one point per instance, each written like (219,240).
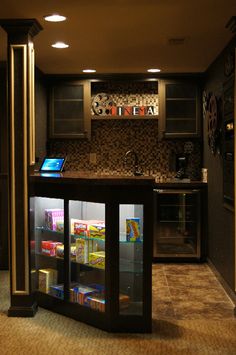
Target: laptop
(52,165)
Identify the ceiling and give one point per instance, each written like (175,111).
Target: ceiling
(126,36)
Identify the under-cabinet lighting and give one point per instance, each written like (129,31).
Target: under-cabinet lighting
(89,71)
(54,18)
(60,45)
(154,70)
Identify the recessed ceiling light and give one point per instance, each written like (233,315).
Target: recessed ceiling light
(60,45)
(154,70)
(89,71)
(54,18)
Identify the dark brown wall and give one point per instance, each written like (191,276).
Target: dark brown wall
(40,114)
(221,250)
(3,170)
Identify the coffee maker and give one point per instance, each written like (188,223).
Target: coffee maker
(181,165)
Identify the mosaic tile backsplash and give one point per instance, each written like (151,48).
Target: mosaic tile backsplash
(111,139)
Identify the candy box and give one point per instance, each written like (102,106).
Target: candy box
(53,215)
(133,229)
(47,278)
(96,302)
(49,247)
(60,226)
(82,251)
(97,259)
(60,251)
(57,291)
(80,294)
(80,227)
(97,230)
(124,301)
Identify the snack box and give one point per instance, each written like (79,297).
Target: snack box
(97,259)
(48,247)
(82,251)
(133,229)
(57,291)
(80,293)
(53,215)
(80,227)
(96,302)
(47,278)
(60,226)
(60,250)
(124,301)
(97,230)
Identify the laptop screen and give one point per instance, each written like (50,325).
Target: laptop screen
(52,164)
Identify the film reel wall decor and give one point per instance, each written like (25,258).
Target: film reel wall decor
(213,124)
(102,104)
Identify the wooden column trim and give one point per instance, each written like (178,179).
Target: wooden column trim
(13,211)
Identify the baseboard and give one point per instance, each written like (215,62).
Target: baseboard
(224,284)
(15,311)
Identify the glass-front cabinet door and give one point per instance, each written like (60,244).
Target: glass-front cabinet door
(131,259)
(177,223)
(47,246)
(87,254)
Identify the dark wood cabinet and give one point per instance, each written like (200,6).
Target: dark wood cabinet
(179,109)
(69,109)
(179,224)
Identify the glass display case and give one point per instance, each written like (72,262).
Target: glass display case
(177,224)
(88,259)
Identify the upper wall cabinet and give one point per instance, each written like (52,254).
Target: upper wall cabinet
(179,109)
(69,109)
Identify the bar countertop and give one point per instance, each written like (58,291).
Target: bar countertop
(83,178)
(88,178)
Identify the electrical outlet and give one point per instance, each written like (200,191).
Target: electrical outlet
(93,158)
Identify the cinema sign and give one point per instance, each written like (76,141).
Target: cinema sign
(133,110)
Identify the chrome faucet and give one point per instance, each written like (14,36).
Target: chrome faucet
(136,170)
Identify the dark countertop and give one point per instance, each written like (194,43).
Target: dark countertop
(70,177)
(87,178)
(179,185)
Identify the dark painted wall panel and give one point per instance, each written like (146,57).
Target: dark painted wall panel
(40,115)
(221,250)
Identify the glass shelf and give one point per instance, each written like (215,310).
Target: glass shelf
(44,229)
(177,221)
(76,236)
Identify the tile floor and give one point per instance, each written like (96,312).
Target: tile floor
(188,291)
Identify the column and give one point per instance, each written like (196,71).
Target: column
(21,156)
